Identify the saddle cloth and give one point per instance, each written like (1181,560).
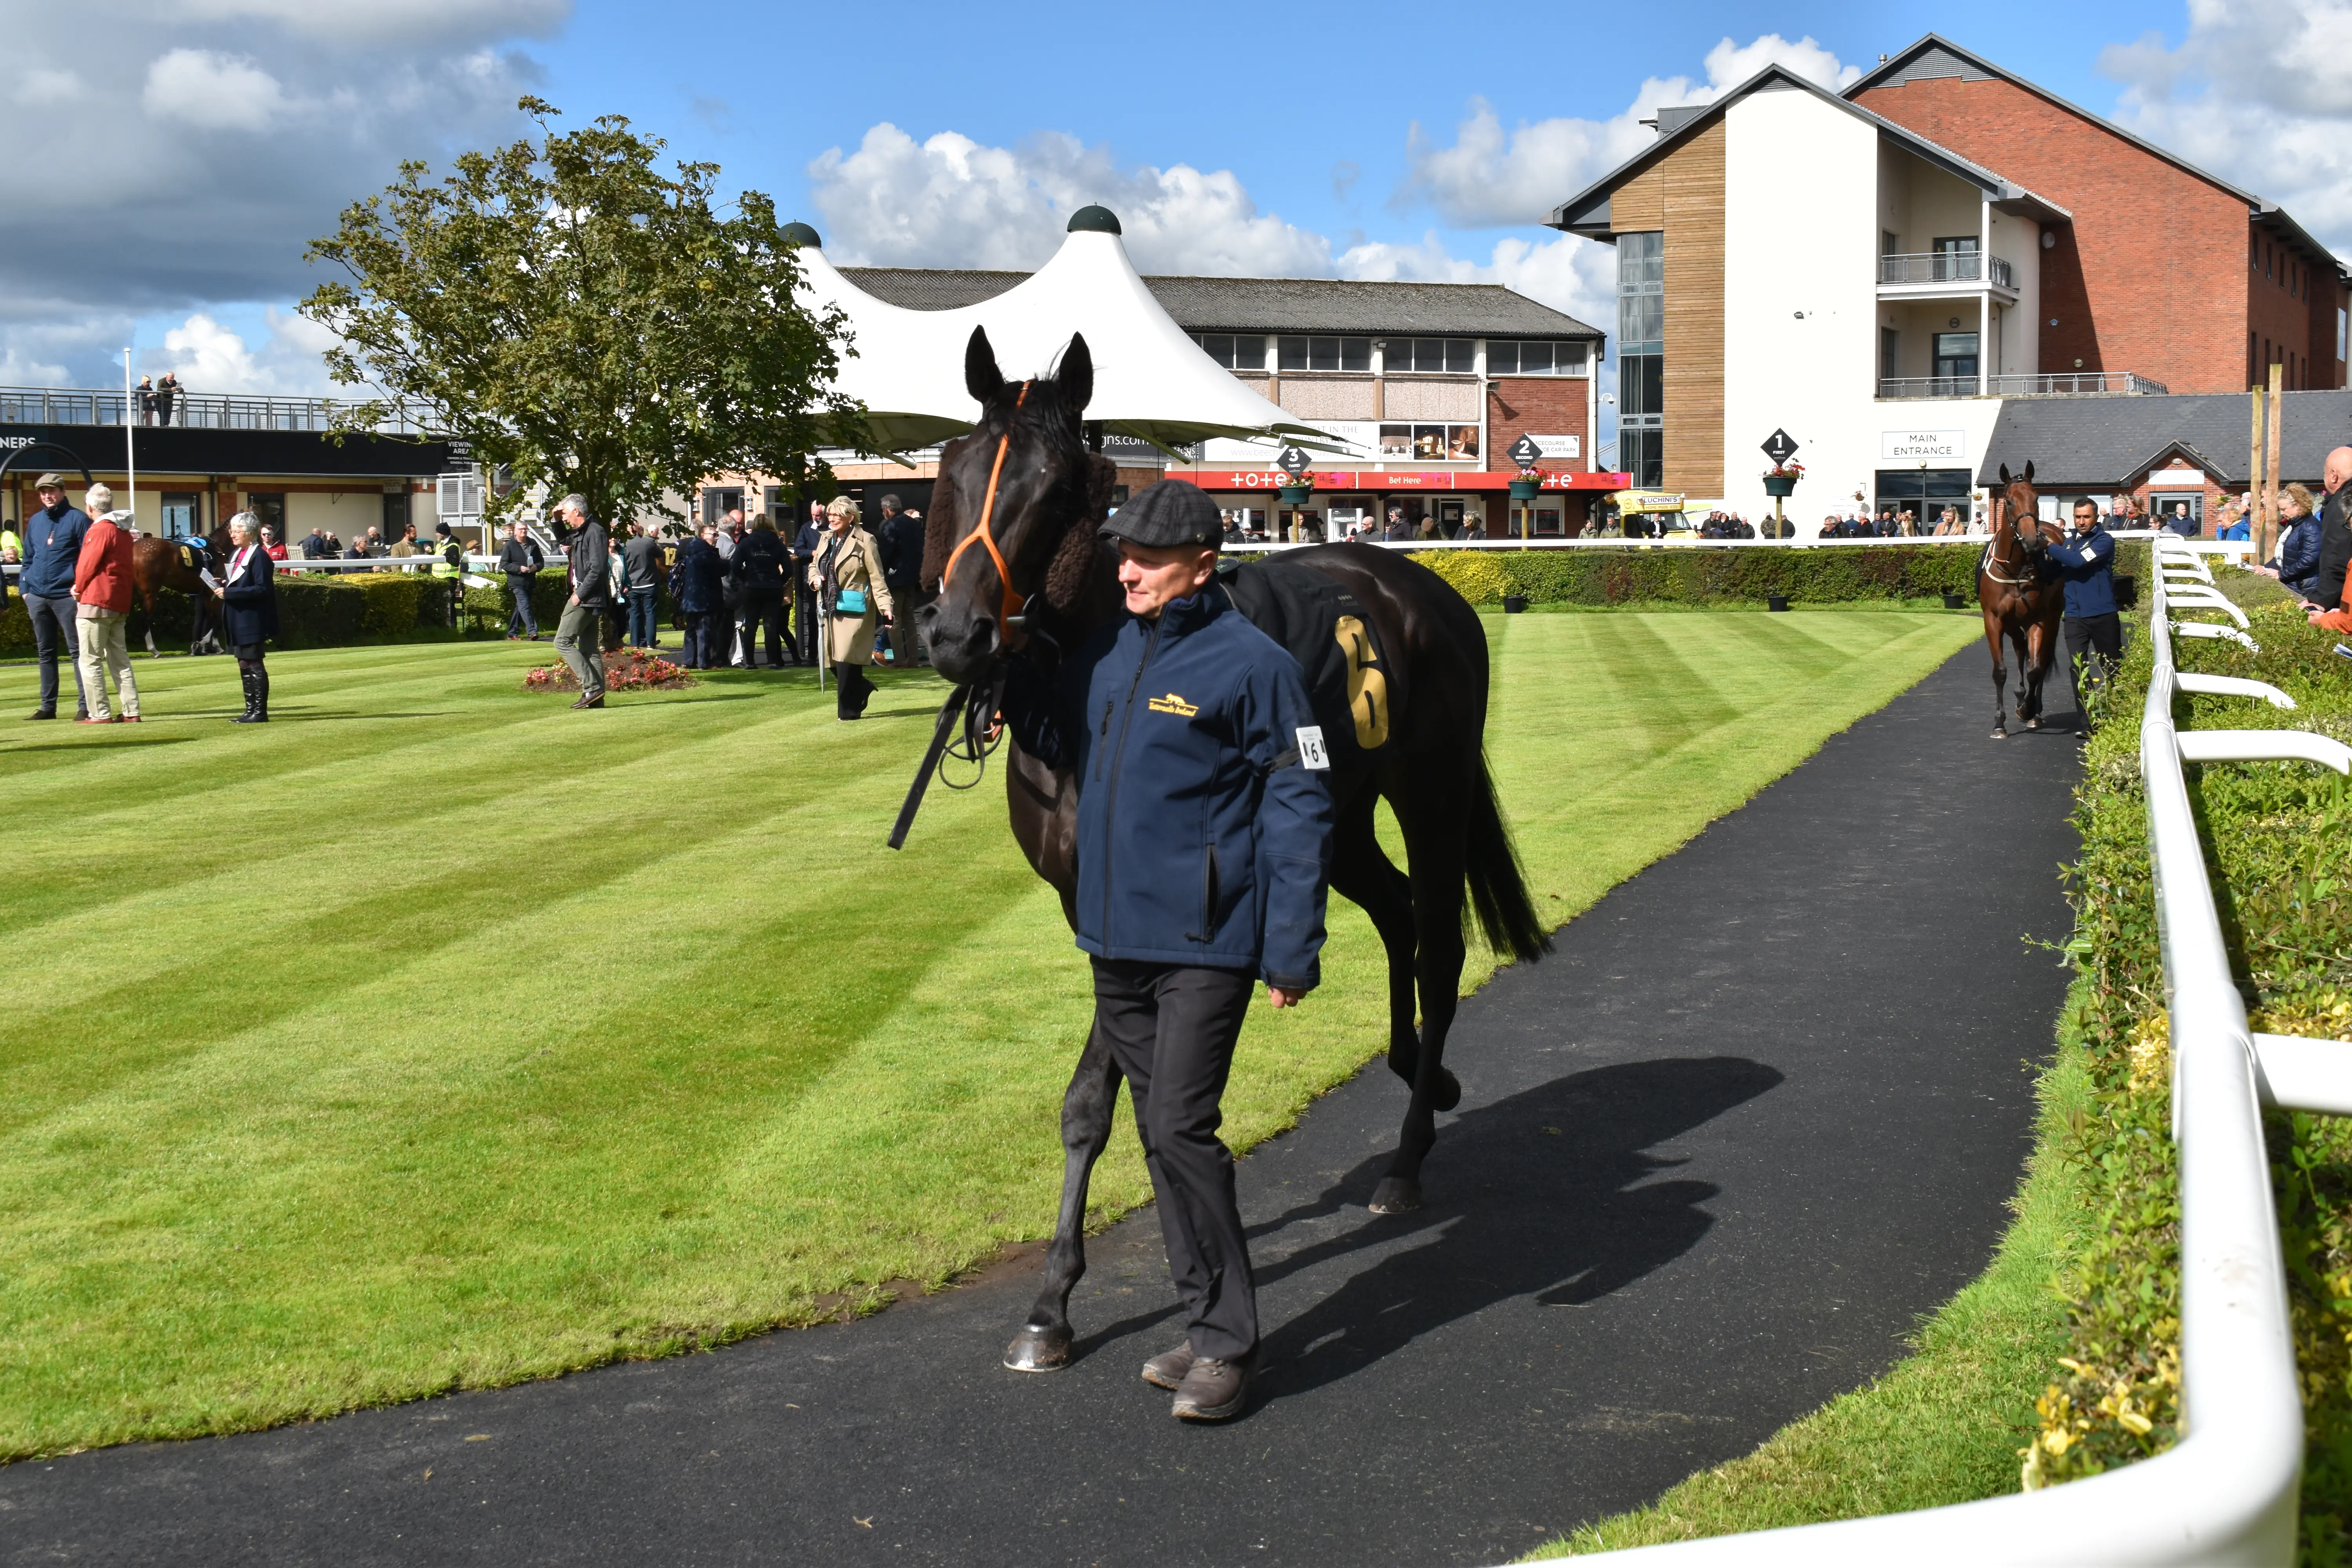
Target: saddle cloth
(1325,628)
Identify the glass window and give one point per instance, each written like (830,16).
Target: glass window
(1457,356)
(1325,354)
(1506,358)
(1233,351)
(183,514)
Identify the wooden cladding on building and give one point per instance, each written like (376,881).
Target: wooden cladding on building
(1682,195)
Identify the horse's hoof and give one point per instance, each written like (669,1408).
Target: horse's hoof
(2034,723)
(1447,1092)
(1038,1349)
(1396,1196)
(2000,734)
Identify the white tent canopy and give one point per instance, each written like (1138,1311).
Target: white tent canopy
(1151,381)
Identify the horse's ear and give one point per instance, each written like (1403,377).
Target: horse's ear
(2004,476)
(1075,377)
(2029,470)
(981,376)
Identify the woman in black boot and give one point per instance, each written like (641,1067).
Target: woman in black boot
(847,576)
(248,596)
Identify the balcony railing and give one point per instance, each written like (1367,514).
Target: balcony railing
(195,410)
(1947,267)
(2072,383)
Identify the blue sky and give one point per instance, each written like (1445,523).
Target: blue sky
(1365,141)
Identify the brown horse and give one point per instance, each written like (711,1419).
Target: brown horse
(1046,581)
(2020,601)
(159,564)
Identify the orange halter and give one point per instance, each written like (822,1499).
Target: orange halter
(986,535)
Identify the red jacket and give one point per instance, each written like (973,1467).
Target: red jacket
(102,574)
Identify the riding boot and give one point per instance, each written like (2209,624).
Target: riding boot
(245,678)
(261,694)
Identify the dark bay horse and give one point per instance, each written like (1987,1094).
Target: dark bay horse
(1025,485)
(2020,601)
(159,564)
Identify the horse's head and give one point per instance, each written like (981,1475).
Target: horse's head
(2020,506)
(1012,517)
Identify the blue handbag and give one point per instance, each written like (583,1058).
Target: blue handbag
(850,602)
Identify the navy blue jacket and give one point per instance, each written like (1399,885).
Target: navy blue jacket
(697,582)
(52,548)
(2089,571)
(249,599)
(1201,839)
(2299,554)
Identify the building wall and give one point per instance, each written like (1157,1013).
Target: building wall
(1799,301)
(2150,276)
(1682,194)
(2287,301)
(1538,406)
(2018,241)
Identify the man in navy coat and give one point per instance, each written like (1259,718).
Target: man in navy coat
(52,549)
(2093,629)
(1203,851)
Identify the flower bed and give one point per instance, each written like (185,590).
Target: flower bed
(625,669)
(2283,870)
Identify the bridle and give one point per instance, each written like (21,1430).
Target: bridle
(986,535)
(1992,545)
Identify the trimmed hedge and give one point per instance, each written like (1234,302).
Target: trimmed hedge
(2275,839)
(320,611)
(1695,575)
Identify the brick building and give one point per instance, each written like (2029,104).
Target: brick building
(2164,269)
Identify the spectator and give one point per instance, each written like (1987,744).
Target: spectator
(374,544)
(804,548)
(521,559)
(699,584)
(900,542)
(2094,631)
(2235,524)
(404,546)
(167,393)
(101,591)
(854,592)
(1830,526)
(146,400)
(248,596)
(583,608)
(765,567)
(2298,552)
(641,564)
(360,548)
(334,548)
(1473,525)
(53,537)
(314,547)
(269,543)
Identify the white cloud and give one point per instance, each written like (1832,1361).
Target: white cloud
(953,202)
(208,356)
(44,86)
(2252,94)
(1488,177)
(212,91)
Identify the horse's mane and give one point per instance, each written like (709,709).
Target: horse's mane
(1041,417)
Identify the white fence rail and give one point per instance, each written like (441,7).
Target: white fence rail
(2227,1492)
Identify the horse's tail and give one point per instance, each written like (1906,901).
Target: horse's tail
(1498,887)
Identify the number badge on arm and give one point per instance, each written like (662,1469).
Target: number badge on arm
(1311,754)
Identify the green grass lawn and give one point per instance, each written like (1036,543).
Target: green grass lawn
(434,1036)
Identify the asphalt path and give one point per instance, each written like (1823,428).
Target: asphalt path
(1714,1159)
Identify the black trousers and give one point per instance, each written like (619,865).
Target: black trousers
(804,622)
(53,628)
(523,620)
(704,646)
(759,609)
(1172,1031)
(2104,637)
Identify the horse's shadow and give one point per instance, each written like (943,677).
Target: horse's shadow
(1544,1194)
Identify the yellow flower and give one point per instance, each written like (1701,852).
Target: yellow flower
(2132,1420)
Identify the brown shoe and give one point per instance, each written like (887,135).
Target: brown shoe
(1213,1390)
(1167,1371)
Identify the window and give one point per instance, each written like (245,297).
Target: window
(1955,258)
(1890,353)
(1429,443)
(1457,356)
(183,514)
(1889,243)
(2341,325)
(718,501)
(1506,358)
(1956,356)
(1640,356)
(268,508)
(1233,351)
(1326,354)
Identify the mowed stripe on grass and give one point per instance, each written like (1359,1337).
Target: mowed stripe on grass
(436,1036)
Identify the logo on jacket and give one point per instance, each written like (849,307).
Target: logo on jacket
(1172,704)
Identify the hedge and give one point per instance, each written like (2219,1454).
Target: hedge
(1696,575)
(2275,839)
(320,611)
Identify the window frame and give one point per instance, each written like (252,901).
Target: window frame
(1336,346)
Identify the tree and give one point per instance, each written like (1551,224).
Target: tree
(573,313)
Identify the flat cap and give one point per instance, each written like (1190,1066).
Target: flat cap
(48,482)
(1166,515)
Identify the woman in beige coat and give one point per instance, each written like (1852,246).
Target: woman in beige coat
(848,565)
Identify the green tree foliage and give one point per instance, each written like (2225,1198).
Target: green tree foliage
(573,311)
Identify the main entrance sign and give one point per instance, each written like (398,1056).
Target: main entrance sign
(1923,447)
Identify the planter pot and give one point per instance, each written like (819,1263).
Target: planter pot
(1513,603)
(1785,485)
(2126,590)
(1526,489)
(1297,495)
(1776,601)
(1954,602)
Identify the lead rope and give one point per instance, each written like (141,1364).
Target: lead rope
(986,534)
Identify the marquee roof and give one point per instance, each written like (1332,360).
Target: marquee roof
(1151,381)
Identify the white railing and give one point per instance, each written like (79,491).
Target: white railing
(2227,1493)
(1946,267)
(194,410)
(2067,384)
